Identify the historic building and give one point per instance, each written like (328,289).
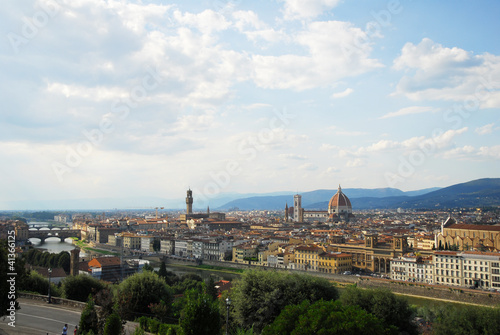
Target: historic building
(463,237)
(339,209)
(375,255)
(190,215)
(413,268)
(467,269)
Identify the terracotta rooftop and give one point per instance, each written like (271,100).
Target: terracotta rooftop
(473,227)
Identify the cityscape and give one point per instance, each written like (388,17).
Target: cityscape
(250,167)
(436,252)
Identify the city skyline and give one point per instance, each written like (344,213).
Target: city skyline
(109,99)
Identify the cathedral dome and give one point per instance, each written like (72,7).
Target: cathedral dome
(339,203)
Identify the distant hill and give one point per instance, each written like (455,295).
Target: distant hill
(480,192)
(317,199)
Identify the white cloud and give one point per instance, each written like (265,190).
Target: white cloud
(490,152)
(89,93)
(328,147)
(434,72)
(293,156)
(407,111)
(297,9)
(469,152)
(486,129)
(308,167)
(342,94)
(207,21)
(357,162)
(332,56)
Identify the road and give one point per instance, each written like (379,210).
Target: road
(36,318)
(40,318)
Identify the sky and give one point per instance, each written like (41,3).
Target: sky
(117,99)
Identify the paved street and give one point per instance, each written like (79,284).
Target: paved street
(39,318)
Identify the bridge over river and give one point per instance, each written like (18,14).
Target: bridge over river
(61,234)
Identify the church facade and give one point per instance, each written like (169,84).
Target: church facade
(339,209)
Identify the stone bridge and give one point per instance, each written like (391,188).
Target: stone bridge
(61,234)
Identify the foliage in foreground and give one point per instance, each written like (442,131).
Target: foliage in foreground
(81,286)
(200,315)
(326,318)
(259,296)
(35,282)
(136,293)
(465,320)
(89,320)
(393,310)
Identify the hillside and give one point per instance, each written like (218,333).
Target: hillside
(317,199)
(476,193)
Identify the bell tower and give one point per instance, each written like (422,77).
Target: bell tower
(371,240)
(189,202)
(297,207)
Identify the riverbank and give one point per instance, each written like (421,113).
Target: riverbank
(426,291)
(209,268)
(88,249)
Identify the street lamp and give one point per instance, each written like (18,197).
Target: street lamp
(50,272)
(228,303)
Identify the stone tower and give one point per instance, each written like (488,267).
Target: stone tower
(297,207)
(189,202)
(74,262)
(286,212)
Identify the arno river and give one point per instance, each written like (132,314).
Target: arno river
(54,245)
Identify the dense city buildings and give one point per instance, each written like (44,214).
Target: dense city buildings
(459,248)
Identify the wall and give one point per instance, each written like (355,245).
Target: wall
(433,291)
(55,300)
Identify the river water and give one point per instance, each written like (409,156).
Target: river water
(52,244)
(205,274)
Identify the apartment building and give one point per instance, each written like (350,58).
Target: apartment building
(413,268)
(334,262)
(167,246)
(307,257)
(481,269)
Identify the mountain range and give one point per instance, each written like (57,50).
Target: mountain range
(480,192)
(476,193)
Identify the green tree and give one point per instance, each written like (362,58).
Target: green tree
(79,287)
(35,282)
(89,320)
(326,318)
(113,325)
(259,296)
(138,291)
(187,282)
(200,315)
(64,261)
(388,307)
(147,267)
(210,289)
(162,272)
(467,320)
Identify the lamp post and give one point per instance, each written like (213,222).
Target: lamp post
(50,272)
(228,303)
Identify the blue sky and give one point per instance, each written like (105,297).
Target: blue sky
(148,98)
